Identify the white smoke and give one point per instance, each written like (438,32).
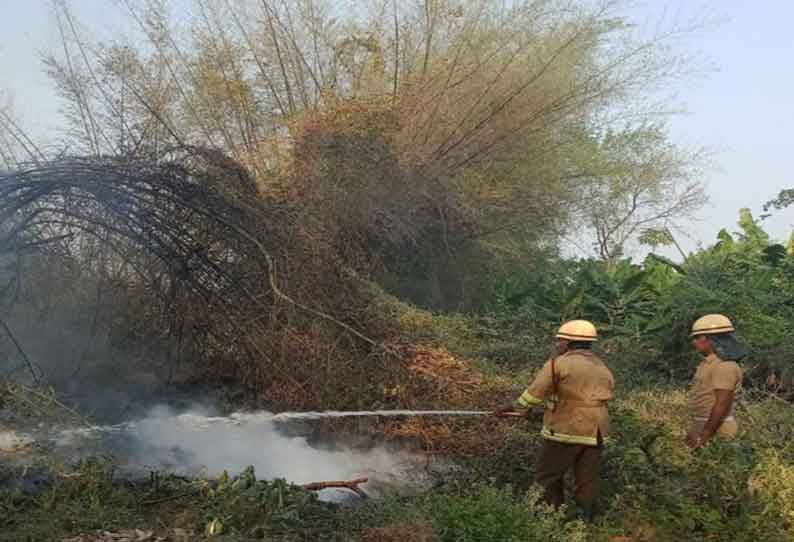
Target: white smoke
(194,443)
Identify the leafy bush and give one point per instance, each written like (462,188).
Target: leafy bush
(480,513)
(734,490)
(772,484)
(245,505)
(645,310)
(491,514)
(83,500)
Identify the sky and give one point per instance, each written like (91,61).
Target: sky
(743,110)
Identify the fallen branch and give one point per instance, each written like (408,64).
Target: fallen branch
(20,392)
(352,485)
(57,403)
(25,358)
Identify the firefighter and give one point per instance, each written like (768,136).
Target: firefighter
(575,386)
(716,382)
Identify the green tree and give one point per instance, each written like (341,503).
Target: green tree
(641,187)
(783,200)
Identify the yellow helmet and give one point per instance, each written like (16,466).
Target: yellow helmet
(578,330)
(711,324)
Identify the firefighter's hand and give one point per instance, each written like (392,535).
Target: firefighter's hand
(694,441)
(504,411)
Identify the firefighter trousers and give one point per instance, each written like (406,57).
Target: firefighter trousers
(557,458)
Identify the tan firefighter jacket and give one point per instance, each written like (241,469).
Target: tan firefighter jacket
(575,388)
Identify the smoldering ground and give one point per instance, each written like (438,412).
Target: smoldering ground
(198,443)
(188,435)
(146,424)
(149,417)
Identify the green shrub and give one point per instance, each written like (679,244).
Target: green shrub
(493,514)
(772,485)
(479,513)
(84,500)
(246,505)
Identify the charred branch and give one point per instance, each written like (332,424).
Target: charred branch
(195,221)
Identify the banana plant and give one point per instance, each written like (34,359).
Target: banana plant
(623,300)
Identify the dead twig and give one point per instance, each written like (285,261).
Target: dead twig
(27,362)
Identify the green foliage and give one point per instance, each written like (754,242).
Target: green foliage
(480,513)
(772,483)
(623,300)
(649,307)
(784,199)
(90,499)
(491,514)
(656,237)
(244,504)
(752,233)
(86,500)
(654,487)
(640,184)
(749,279)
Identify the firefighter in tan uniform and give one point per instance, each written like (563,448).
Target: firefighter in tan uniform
(716,382)
(575,386)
